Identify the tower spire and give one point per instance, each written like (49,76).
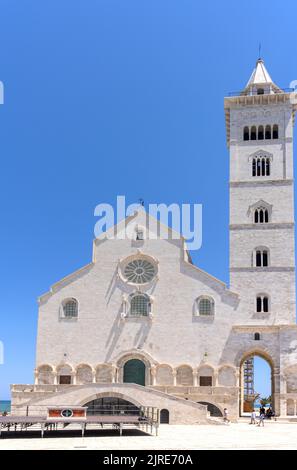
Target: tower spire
(260,77)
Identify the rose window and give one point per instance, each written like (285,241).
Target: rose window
(139,271)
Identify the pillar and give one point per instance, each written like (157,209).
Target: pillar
(195,378)
(113,374)
(153,375)
(174,373)
(35,377)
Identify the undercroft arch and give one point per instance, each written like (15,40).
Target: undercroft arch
(110,393)
(111,405)
(213,409)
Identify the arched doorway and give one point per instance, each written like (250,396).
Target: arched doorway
(212,409)
(164,416)
(256,383)
(111,406)
(134,372)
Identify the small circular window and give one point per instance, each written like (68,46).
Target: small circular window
(139,271)
(67,413)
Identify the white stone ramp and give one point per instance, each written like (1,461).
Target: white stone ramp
(181,411)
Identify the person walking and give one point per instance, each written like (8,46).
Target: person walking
(226,419)
(261,419)
(253,417)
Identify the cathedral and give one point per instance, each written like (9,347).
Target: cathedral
(141,325)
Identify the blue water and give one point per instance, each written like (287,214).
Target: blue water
(4,405)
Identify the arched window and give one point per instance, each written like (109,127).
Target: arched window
(253,133)
(246,133)
(262,304)
(267,167)
(260,133)
(275,131)
(261,257)
(257,337)
(268,132)
(261,215)
(70,308)
(140,305)
(139,234)
(205,306)
(254,167)
(261,166)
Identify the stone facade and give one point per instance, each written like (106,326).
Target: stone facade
(194,332)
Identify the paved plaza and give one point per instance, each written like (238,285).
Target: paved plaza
(241,435)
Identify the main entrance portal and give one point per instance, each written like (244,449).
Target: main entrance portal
(134,372)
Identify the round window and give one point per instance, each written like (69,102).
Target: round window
(139,271)
(67,413)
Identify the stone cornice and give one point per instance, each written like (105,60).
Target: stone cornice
(259,328)
(270,269)
(248,184)
(269,226)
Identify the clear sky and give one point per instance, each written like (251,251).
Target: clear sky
(111,97)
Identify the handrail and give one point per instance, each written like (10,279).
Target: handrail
(255,93)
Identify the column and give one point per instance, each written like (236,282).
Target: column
(279,386)
(237,378)
(35,377)
(153,375)
(113,374)
(195,378)
(174,377)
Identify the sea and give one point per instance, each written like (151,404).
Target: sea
(5,405)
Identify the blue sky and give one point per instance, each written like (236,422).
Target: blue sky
(113,97)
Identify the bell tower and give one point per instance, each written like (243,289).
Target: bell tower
(259,125)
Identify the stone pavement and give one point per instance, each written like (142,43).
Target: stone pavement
(174,437)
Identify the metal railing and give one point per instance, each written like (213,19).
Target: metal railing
(255,92)
(114,410)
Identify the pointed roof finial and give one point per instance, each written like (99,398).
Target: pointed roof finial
(260,51)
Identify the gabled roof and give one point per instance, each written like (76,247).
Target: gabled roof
(139,215)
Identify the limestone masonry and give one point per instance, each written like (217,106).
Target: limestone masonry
(141,324)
